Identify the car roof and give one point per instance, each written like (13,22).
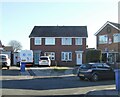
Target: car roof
(3,55)
(44,57)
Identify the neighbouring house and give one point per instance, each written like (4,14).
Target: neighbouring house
(1,47)
(108,40)
(65,45)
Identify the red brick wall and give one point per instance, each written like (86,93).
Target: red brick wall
(58,48)
(112,46)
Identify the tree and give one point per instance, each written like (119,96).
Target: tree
(16,45)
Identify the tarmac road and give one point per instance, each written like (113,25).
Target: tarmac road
(16,83)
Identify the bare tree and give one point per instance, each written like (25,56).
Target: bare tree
(16,45)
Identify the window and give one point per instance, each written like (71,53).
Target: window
(99,65)
(103,39)
(116,38)
(49,41)
(78,41)
(51,55)
(66,41)
(37,41)
(66,56)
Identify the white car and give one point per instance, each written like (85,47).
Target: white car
(4,61)
(45,60)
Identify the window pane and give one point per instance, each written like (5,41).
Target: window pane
(66,41)
(62,56)
(78,41)
(37,41)
(116,38)
(49,41)
(103,39)
(70,56)
(51,55)
(66,56)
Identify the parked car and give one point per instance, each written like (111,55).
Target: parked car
(4,61)
(95,71)
(45,60)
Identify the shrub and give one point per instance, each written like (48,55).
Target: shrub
(93,55)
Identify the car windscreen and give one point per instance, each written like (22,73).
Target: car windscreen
(2,57)
(86,66)
(43,58)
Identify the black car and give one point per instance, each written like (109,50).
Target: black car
(95,71)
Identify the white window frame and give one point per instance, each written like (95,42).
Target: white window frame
(103,39)
(78,41)
(37,41)
(66,41)
(116,38)
(50,54)
(50,41)
(66,56)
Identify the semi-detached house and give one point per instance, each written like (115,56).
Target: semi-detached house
(65,45)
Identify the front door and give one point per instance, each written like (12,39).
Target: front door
(36,55)
(79,58)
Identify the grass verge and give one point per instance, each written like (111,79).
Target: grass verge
(60,69)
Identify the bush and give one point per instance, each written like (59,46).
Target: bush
(93,55)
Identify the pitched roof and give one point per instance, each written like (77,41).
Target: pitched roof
(115,25)
(8,48)
(59,31)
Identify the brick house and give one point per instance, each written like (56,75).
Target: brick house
(108,40)
(65,45)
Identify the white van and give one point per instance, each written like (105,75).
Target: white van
(4,61)
(26,56)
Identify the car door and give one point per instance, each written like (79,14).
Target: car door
(108,72)
(101,71)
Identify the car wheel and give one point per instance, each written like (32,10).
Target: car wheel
(0,66)
(8,67)
(82,78)
(95,77)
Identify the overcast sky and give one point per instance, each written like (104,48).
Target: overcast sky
(18,18)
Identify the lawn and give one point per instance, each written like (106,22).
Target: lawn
(60,69)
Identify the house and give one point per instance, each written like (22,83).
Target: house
(64,44)
(108,40)
(1,47)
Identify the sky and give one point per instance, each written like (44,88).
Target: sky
(17,18)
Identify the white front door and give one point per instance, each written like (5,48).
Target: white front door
(79,58)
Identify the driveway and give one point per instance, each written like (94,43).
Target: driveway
(39,71)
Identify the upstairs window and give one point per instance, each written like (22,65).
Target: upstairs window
(66,41)
(116,38)
(37,41)
(49,41)
(78,41)
(103,39)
